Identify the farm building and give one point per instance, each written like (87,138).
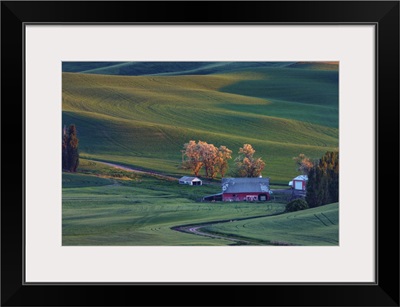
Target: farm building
(245,189)
(190,180)
(299,183)
(214,197)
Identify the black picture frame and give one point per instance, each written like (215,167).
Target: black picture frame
(383,14)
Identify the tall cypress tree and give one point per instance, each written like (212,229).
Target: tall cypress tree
(332,173)
(323,181)
(72,148)
(64,149)
(70,153)
(312,188)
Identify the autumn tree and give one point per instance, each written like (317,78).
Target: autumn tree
(209,155)
(246,164)
(194,160)
(224,154)
(203,155)
(303,164)
(70,153)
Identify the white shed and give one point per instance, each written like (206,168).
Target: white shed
(190,180)
(299,183)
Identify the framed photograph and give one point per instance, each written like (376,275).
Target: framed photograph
(239,148)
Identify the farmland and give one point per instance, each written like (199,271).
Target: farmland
(140,115)
(105,206)
(316,226)
(118,209)
(131,120)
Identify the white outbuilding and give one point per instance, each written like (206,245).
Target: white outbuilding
(299,183)
(190,180)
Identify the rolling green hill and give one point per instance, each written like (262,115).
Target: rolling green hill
(144,121)
(141,113)
(105,206)
(85,66)
(163,68)
(316,65)
(318,226)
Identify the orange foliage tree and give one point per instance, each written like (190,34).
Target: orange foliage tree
(303,163)
(246,164)
(224,154)
(203,155)
(193,160)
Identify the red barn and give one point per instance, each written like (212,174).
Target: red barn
(245,189)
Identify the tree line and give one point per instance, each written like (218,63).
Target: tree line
(70,153)
(323,178)
(214,160)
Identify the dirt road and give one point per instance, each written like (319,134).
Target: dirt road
(130,169)
(196,230)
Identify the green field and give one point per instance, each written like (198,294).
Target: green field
(107,206)
(141,114)
(113,209)
(144,121)
(318,226)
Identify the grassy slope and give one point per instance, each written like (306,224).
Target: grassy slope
(163,68)
(84,66)
(107,206)
(144,121)
(317,226)
(333,65)
(303,86)
(140,210)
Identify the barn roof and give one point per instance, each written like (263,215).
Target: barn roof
(245,185)
(301,177)
(188,178)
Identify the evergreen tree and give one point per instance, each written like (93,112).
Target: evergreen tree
(323,181)
(72,147)
(311,196)
(70,153)
(64,149)
(330,164)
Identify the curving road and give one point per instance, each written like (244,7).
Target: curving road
(196,230)
(130,169)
